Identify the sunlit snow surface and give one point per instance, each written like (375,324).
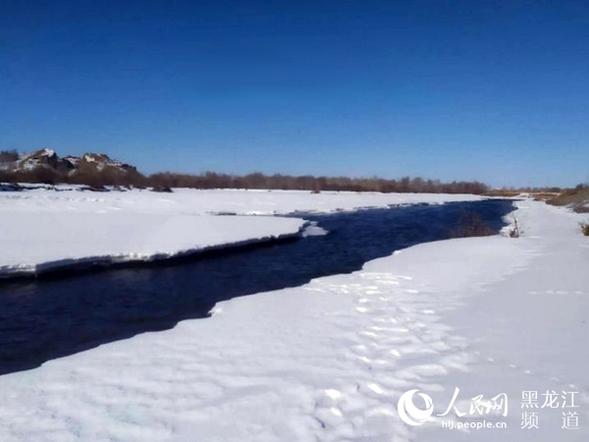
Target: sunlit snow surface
(35,243)
(328,361)
(42,230)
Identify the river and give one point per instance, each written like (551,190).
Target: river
(46,319)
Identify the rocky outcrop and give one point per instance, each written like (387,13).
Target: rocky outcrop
(69,165)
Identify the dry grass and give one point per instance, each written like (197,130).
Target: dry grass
(515,231)
(544,196)
(502,193)
(471,224)
(582,209)
(577,199)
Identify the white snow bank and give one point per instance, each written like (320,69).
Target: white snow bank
(329,361)
(191,201)
(45,229)
(34,244)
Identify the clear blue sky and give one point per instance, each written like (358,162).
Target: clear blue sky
(491,90)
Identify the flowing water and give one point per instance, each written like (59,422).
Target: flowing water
(46,319)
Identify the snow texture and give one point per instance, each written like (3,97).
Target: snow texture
(50,240)
(43,229)
(328,361)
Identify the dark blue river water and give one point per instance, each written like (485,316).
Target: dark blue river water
(46,319)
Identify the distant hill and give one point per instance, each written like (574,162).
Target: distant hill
(45,166)
(48,159)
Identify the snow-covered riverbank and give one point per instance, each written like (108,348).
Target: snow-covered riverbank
(201,202)
(44,230)
(34,244)
(329,361)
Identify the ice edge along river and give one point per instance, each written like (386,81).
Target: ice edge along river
(46,230)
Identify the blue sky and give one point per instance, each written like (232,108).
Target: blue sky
(496,91)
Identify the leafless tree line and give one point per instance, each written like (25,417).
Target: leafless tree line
(110,176)
(213,180)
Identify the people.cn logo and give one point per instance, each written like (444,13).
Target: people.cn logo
(408,411)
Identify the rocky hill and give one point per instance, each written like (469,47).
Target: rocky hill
(48,159)
(45,166)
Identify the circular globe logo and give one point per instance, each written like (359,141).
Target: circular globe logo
(409,413)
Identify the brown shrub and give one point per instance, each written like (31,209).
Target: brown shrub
(502,193)
(515,231)
(41,174)
(89,175)
(471,224)
(8,156)
(577,198)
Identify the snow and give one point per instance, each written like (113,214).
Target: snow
(50,240)
(313,229)
(73,160)
(328,361)
(29,164)
(191,201)
(43,229)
